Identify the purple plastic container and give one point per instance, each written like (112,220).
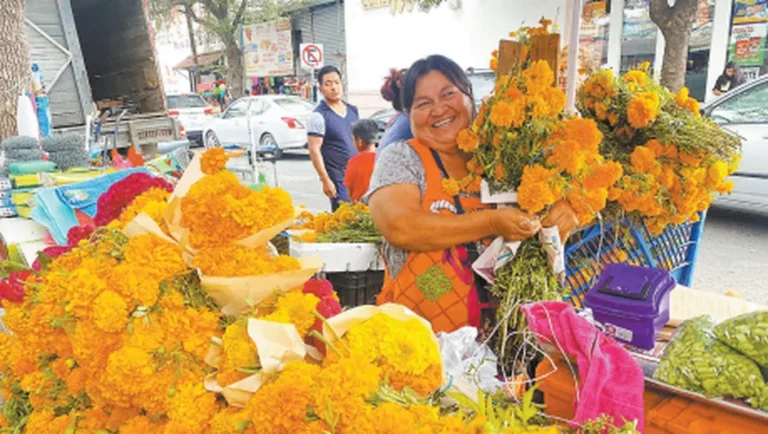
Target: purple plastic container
(632,303)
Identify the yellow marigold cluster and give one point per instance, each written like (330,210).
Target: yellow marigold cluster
(643,109)
(237,261)
(400,348)
(219,210)
(152,202)
(98,343)
(346,213)
(684,100)
(213,161)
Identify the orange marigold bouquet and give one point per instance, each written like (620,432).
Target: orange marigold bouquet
(109,336)
(674,161)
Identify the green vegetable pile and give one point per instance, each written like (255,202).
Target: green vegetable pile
(695,360)
(747,334)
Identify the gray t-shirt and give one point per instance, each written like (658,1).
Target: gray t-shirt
(398,163)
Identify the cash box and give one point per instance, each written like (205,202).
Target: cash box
(631,303)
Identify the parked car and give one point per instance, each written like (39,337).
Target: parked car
(744,111)
(382,119)
(193,113)
(483,82)
(277,120)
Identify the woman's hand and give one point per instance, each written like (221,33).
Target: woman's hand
(564,217)
(514,225)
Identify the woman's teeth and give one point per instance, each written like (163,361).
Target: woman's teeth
(443,123)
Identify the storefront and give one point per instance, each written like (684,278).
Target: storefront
(620,34)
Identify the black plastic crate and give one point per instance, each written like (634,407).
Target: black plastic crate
(357,288)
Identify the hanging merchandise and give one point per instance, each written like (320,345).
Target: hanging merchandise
(42,104)
(25,117)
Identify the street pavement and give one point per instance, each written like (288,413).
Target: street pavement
(733,252)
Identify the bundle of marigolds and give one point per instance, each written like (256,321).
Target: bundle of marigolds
(672,160)
(351,223)
(108,336)
(219,210)
(519,128)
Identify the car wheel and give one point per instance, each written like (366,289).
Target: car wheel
(211,140)
(268,141)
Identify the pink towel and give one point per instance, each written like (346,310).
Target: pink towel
(610,380)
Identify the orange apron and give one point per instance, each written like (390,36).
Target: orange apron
(439,285)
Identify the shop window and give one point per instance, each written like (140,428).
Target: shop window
(747,45)
(593,35)
(748,107)
(698,50)
(638,42)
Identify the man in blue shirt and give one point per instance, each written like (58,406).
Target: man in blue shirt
(330,135)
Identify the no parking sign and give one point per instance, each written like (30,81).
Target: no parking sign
(311,56)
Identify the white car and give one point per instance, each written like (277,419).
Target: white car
(278,121)
(193,113)
(744,111)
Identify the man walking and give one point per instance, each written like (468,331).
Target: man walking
(330,135)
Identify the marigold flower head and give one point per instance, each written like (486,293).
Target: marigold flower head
(295,308)
(450,186)
(213,161)
(237,261)
(110,312)
(643,109)
(161,257)
(508,114)
(643,159)
(604,175)
(636,76)
(538,77)
(152,201)
(467,140)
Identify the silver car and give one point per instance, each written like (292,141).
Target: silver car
(744,111)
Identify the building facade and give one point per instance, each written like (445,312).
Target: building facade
(612,33)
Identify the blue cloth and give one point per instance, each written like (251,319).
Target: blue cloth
(399,129)
(82,196)
(338,144)
(56,206)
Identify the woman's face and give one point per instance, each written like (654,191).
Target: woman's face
(439,112)
(729,72)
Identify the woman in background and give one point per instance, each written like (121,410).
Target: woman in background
(399,127)
(730,78)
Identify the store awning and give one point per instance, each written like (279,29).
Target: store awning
(204,59)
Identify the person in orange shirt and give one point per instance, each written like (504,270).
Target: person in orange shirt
(360,167)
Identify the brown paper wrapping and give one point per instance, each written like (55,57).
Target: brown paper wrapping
(277,344)
(233,294)
(236,294)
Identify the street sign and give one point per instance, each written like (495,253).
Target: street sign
(311,56)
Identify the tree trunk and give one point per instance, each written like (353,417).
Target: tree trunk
(192,45)
(675,58)
(15,69)
(235,69)
(676,24)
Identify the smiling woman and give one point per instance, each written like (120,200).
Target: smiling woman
(430,215)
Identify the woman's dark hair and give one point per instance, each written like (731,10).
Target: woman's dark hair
(325,70)
(391,90)
(450,69)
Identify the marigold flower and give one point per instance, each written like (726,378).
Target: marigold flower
(635,76)
(643,159)
(506,115)
(467,140)
(213,161)
(538,77)
(450,186)
(110,312)
(604,175)
(643,109)
(161,257)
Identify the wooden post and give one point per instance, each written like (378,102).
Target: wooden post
(542,47)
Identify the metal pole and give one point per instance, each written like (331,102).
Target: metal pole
(252,143)
(573,56)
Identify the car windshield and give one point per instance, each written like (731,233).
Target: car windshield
(482,84)
(295,105)
(185,101)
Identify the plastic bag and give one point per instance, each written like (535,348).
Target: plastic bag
(747,334)
(466,360)
(695,360)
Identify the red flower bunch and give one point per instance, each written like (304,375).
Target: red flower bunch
(113,201)
(328,307)
(79,233)
(12,289)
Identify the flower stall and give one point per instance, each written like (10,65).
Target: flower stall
(349,245)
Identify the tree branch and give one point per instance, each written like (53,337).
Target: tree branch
(239,15)
(660,13)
